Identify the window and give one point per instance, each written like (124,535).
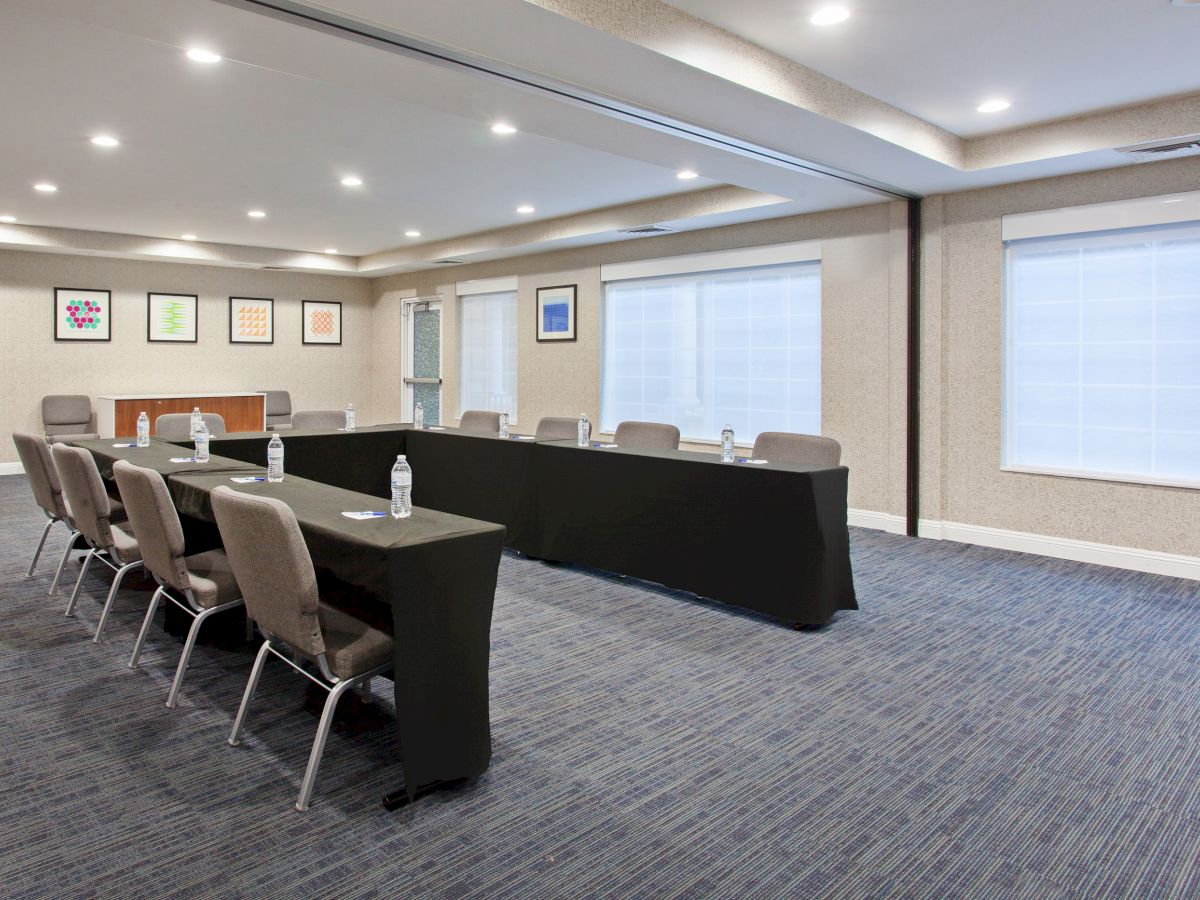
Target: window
(1102,356)
(488,374)
(739,347)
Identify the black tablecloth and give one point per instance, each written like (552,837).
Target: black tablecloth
(771,538)
(157,456)
(438,574)
(359,460)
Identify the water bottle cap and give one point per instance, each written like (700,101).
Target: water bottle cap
(400,457)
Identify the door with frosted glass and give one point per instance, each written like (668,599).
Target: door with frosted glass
(423,359)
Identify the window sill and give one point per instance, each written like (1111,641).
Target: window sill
(1104,476)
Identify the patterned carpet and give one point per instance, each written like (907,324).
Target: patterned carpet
(989,724)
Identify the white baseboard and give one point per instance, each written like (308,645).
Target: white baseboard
(12,468)
(1132,558)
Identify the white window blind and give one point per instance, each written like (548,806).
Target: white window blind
(739,347)
(488,374)
(1102,355)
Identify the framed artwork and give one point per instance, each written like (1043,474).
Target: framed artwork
(251,320)
(322,322)
(82,315)
(171,318)
(556,313)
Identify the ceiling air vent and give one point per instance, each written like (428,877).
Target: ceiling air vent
(449,262)
(646,229)
(1168,149)
(276,268)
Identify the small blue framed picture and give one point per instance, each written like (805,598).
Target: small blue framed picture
(556,313)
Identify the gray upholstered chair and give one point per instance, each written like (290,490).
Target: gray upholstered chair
(178,426)
(279,410)
(646,436)
(91,511)
(273,566)
(201,584)
(319,418)
(557,428)
(783,446)
(483,421)
(68,417)
(35,457)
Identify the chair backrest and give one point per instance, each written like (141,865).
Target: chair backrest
(155,522)
(67,413)
(482,420)
(178,426)
(279,407)
(84,490)
(319,418)
(783,446)
(557,428)
(272,566)
(647,436)
(43,476)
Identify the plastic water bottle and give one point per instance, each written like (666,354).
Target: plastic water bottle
(143,429)
(401,489)
(349,416)
(201,442)
(275,460)
(584,436)
(196,420)
(726,444)
(504,425)
(419,416)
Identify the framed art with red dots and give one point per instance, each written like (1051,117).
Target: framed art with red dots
(82,315)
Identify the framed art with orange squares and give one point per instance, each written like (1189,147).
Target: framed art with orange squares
(251,320)
(322,322)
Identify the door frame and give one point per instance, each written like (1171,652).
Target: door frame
(408,306)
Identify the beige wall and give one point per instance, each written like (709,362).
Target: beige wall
(961,406)
(33,365)
(863,302)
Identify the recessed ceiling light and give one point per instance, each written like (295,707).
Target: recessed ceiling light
(200,55)
(525,210)
(8,219)
(412,233)
(331,249)
(686,175)
(45,187)
(105,140)
(188,237)
(256,214)
(830,15)
(352,181)
(993,106)
(503,128)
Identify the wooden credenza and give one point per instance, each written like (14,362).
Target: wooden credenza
(116,416)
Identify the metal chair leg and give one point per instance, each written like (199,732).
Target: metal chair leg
(248,694)
(62,563)
(188,646)
(112,595)
(87,561)
(141,638)
(318,747)
(38,553)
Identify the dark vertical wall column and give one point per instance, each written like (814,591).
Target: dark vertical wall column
(913,399)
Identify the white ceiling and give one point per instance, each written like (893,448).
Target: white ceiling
(939,59)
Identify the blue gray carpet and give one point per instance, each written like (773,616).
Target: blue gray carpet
(989,724)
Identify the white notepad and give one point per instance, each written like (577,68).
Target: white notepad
(248,479)
(183,459)
(366,514)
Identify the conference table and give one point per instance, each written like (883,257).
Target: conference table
(435,571)
(771,538)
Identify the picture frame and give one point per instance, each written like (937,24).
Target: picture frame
(82,314)
(171,318)
(556,307)
(251,320)
(321,322)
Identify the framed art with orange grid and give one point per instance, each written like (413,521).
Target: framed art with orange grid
(322,322)
(251,320)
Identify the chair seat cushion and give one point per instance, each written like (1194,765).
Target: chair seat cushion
(126,545)
(351,645)
(212,578)
(69,438)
